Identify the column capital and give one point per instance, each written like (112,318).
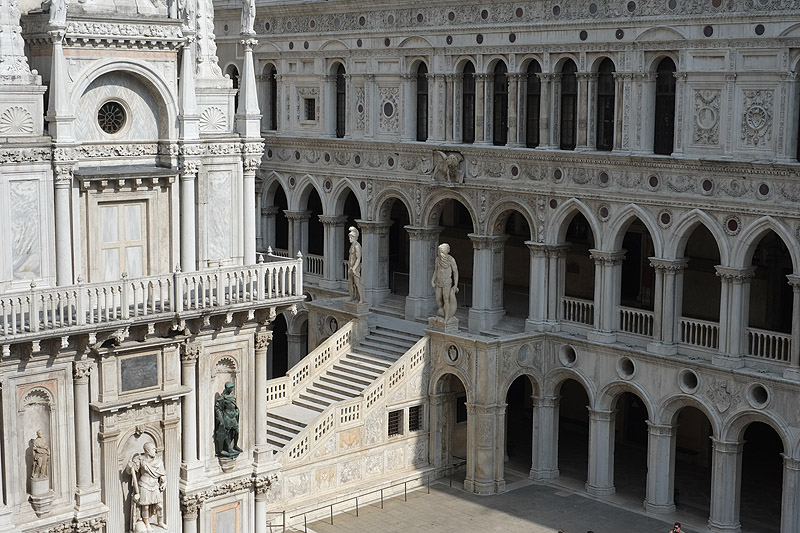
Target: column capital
(515,76)
(248,44)
(481,242)
(727,447)
(680,76)
(622,75)
(270,210)
(333,220)
(546,401)
(585,76)
(602,415)
(297,215)
(668,265)
(263,339)
(81,370)
(373,226)
(190,351)
(189,169)
(408,77)
(603,257)
(735,275)
(645,76)
(63,173)
(547,77)
(793,281)
(790,463)
(251,164)
(190,506)
(660,430)
(481,76)
(539,249)
(423,233)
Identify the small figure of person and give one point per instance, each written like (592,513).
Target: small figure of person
(148,482)
(676,528)
(41,457)
(248,16)
(58,12)
(445,282)
(226,423)
(355,287)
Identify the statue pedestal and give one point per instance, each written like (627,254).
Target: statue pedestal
(41,496)
(227,463)
(356,308)
(440,324)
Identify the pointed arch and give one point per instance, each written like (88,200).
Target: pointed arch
(749,238)
(304,186)
(382,204)
(559,222)
(433,208)
(683,230)
(499,212)
(338,196)
(272,182)
(622,221)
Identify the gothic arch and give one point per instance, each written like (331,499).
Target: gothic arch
(609,394)
(338,196)
(554,380)
(271,184)
(501,210)
(622,221)
(667,412)
(746,244)
(433,208)
(683,230)
(557,229)
(304,186)
(383,202)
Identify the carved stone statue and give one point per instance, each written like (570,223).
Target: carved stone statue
(41,457)
(354,284)
(187,11)
(226,424)
(445,282)
(148,482)
(447,166)
(248,16)
(58,12)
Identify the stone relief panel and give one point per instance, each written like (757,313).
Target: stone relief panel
(16,120)
(389,113)
(325,478)
(395,459)
(349,471)
(213,120)
(360,108)
(757,118)
(417,453)
(707,116)
(297,485)
(373,465)
(374,427)
(219,214)
(350,439)
(26,252)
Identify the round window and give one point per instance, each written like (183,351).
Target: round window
(111,117)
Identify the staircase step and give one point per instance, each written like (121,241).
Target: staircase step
(396,333)
(327,394)
(376,361)
(289,426)
(377,346)
(364,365)
(345,378)
(279,434)
(335,388)
(310,404)
(379,354)
(358,372)
(277,443)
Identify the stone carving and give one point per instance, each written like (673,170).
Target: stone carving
(187,11)
(13,61)
(25,229)
(445,283)
(706,116)
(148,482)
(226,424)
(360,108)
(248,17)
(41,457)
(207,61)
(389,98)
(724,394)
(16,121)
(355,286)
(212,119)
(219,234)
(58,12)
(448,166)
(757,118)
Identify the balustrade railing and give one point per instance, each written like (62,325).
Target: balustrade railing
(636,321)
(700,333)
(578,310)
(56,308)
(315,265)
(769,344)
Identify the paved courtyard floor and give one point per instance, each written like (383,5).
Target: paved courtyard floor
(525,507)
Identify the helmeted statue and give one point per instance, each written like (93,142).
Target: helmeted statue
(355,286)
(226,423)
(148,483)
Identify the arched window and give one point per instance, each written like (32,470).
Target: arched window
(468,104)
(500,105)
(341,101)
(532,96)
(605,105)
(422,103)
(233,74)
(569,106)
(272,87)
(664,132)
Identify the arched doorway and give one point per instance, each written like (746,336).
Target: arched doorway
(761,484)
(630,447)
(278,351)
(693,462)
(519,428)
(699,323)
(399,249)
(573,432)
(449,427)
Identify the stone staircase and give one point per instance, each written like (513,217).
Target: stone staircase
(345,379)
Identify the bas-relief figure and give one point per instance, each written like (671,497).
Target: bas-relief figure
(148,482)
(41,457)
(226,424)
(354,284)
(445,282)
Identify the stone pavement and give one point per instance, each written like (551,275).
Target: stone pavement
(525,507)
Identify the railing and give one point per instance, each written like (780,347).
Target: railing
(636,321)
(315,264)
(283,390)
(769,344)
(345,269)
(578,310)
(699,333)
(54,308)
(278,252)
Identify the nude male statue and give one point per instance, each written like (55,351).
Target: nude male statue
(354,284)
(445,281)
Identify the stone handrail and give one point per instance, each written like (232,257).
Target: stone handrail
(769,344)
(352,412)
(283,390)
(55,309)
(636,321)
(578,310)
(699,333)
(315,264)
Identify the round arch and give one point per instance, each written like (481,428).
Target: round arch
(553,381)
(460,62)
(559,222)
(746,244)
(558,64)
(683,230)
(667,412)
(737,424)
(611,392)
(622,221)
(491,62)
(436,378)
(652,62)
(595,64)
(527,59)
(533,376)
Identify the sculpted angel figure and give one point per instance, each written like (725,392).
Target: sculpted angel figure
(58,12)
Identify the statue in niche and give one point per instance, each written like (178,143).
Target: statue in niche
(445,282)
(58,12)
(354,284)
(248,16)
(226,423)
(148,482)
(41,457)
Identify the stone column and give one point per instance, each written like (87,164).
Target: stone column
(537,298)
(448,113)
(484,443)
(793,372)
(280,114)
(487,276)
(171,457)
(249,168)
(513,110)
(297,347)
(607,283)
(790,508)
(190,508)
(645,112)
(188,216)
(109,440)
(334,227)
(600,480)
(83,430)
(556,283)
(369,106)
(787,105)
(298,231)
(268,216)
(329,106)
(660,469)
(622,84)
(480,111)
(421,301)
(545,110)
(439,438)
(726,484)
(189,355)
(409,99)
(680,111)
(667,305)
(348,106)
(63,222)
(544,456)
(733,315)
(375,259)
(5,512)
(262,451)
(583,109)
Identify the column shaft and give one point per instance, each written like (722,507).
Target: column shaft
(790,508)
(63,223)
(375,259)
(660,469)
(480,112)
(608,280)
(734,309)
(513,114)
(262,340)
(421,302)
(448,114)
(409,118)
(794,357)
(544,456)
(249,206)
(583,111)
(545,111)
(600,480)
(487,275)
(334,227)
(725,487)
(83,435)
(189,355)
(188,217)
(538,281)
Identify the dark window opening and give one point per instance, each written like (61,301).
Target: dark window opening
(422,103)
(532,99)
(500,105)
(461,409)
(273,98)
(664,127)
(415,418)
(605,105)
(569,106)
(310,109)
(395,423)
(341,102)
(468,104)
